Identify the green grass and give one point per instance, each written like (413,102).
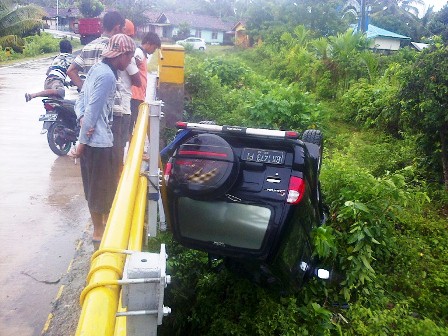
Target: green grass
(383,215)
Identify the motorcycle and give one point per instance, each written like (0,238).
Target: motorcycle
(60,124)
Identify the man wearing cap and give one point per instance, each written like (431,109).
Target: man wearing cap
(95,104)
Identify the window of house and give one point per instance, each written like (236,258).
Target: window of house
(198,33)
(166,32)
(214,35)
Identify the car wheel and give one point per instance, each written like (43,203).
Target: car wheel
(201,48)
(315,137)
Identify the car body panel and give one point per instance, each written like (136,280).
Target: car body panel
(249,222)
(196,42)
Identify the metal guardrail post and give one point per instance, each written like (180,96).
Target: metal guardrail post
(144,299)
(154,172)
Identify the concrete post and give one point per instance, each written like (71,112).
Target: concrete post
(145,280)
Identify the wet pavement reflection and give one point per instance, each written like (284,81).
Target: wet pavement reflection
(42,206)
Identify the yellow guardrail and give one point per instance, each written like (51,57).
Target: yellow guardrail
(135,240)
(100,298)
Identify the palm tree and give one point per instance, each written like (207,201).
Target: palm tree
(410,6)
(18,20)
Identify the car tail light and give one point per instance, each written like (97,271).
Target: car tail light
(296,190)
(181,125)
(167,173)
(203,153)
(291,135)
(49,107)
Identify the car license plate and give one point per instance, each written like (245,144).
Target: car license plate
(48,117)
(263,155)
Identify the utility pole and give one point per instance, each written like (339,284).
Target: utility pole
(57,14)
(363,20)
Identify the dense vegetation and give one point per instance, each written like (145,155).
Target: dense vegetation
(33,46)
(384,171)
(386,238)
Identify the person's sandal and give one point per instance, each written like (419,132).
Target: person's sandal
(96,244)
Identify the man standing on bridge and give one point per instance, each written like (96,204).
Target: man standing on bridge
(95,104)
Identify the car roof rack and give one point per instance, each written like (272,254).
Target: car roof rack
(238,130)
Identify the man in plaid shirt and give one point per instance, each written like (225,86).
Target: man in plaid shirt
(113,23)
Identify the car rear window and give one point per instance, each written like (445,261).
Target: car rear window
(236,224)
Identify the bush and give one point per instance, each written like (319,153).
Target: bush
(228,92)
(36,45)
(373,105)
(385,242)
(13,42)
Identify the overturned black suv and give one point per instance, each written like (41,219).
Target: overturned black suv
(250,196)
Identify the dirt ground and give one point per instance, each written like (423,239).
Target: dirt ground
(64,316)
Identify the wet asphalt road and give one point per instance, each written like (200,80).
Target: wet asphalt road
(42,207)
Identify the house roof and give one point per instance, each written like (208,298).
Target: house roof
(420,46)
(194,20)
(374,31)
(152,16)
(239,23)
(63,12)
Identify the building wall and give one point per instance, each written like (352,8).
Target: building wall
(385,43)
(51,23)
(241,38)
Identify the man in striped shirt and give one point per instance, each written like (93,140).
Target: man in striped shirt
(113,23)
(56,74)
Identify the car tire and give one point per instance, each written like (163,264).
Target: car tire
(200,175)
(315,137)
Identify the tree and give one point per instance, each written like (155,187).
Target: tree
(439,24)
(323,17)
(398,16)
(134,11)
(91,8)
(410,6)
(16,22)
(183,32)
(424,98)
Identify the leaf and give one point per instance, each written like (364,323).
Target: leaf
(358,246)
(354,238)
(375,241)
(361,206)
(367,264)
(367,231)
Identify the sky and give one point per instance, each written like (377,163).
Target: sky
(438,4)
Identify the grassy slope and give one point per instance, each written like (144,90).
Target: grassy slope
(413,282)
(408,297)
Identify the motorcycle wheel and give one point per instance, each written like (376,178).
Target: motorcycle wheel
(58,144)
